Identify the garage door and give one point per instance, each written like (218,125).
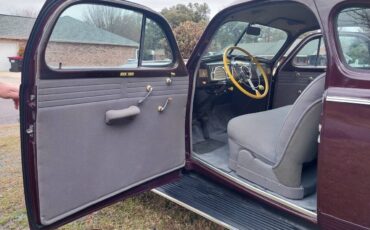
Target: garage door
(7,49)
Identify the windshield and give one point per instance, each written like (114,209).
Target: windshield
(265,44)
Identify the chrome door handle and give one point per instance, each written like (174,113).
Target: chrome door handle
(164,107)
(149,89)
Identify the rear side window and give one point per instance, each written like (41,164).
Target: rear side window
(312,55)
(89,36)
(353,29)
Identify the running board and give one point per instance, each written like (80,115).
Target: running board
(226,207)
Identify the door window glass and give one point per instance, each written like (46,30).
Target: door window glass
(94,36)
(312,55)
(353,29)
(157,50)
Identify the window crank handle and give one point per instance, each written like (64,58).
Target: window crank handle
(149,89)
(163,108)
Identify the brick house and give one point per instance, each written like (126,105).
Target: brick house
(14,32)
(77,44)
(73,43)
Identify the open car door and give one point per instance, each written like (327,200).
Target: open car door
(103,100)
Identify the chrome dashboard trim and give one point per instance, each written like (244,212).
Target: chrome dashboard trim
(218,73)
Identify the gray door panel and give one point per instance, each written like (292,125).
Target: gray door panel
(289,85)
(304,64)
(81,160)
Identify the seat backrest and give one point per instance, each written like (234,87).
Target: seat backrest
(298,137)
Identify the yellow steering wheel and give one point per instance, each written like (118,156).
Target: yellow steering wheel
(260,91)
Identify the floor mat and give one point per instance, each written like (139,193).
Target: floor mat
(207,146)
(218,158)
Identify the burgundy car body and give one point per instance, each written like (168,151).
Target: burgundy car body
(343,165)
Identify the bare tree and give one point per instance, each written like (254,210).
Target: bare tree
(118,21)
(358,17)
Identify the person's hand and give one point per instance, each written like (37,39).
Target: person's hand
(10,92)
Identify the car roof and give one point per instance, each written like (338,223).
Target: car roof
(291,16)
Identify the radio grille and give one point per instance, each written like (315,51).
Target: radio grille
(218,74)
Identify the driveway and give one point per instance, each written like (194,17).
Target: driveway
(8,115)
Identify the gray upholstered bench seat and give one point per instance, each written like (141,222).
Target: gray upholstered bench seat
(270,148)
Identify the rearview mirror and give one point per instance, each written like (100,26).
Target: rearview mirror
(253,30)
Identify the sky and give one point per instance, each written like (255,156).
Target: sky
(14,6)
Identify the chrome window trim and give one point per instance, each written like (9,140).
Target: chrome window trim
(348,100)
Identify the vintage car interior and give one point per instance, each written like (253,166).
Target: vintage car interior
(233,135)
(258,98)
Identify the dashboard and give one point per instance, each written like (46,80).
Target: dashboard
(213,74)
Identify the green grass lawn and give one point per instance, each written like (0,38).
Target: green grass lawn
(146,211)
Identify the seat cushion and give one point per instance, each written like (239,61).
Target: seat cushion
(259,132)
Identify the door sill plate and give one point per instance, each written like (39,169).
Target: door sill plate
(276,199)
(227,207)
